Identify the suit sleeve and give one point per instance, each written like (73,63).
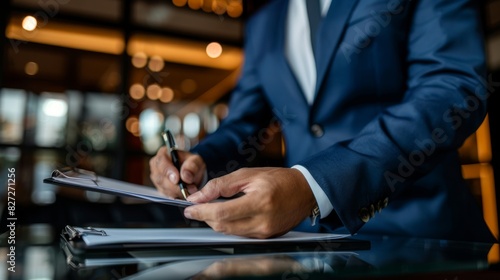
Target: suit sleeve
(444,103)
(233,144)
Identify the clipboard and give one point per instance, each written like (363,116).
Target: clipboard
(157,259)
(81,254)
(89,181)
(78,240)
(87,259)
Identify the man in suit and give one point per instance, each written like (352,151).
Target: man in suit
(373,97)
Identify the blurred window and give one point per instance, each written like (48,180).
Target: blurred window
(45,161)
(192,125)
(102,114)
(150,124)
(12,107)
(52,117)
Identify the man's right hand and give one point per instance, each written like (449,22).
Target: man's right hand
(165,176)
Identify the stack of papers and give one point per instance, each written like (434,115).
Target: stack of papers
(111,246)
(192,236)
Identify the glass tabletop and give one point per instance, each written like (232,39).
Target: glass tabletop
(38,254)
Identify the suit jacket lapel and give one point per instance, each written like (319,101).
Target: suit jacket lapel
(282,80)
(330,32)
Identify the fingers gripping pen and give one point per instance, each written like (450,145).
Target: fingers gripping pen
(172,148)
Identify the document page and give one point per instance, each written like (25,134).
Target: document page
(116,187)
(198,236)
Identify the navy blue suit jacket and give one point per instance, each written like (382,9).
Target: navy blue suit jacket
(400,87)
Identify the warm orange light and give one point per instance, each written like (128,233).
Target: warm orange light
(184,51)
(484,141)
(234,9)
(137,91)
(139,60)
(484,172)
(29,23)
(156,63)
(214,50)
(153,92)
(132,125)
(221,110)
(207,6)
(31,68)
(70,36)
(179,3)
(494,254)
(195,4)
(167,95)
(111,42)
(219,6)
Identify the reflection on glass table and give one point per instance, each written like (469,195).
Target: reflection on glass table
(286,265)
(387,257)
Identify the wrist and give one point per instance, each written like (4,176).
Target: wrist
(312,209)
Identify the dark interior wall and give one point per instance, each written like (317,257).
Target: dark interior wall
(4,17)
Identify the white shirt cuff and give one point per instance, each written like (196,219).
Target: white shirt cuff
(324,204)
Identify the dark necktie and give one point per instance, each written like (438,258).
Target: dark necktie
(314,15)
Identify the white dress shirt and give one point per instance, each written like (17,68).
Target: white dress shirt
(299,53)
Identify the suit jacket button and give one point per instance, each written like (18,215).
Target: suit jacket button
(372,211)
(386,201)
(380,206)
(317,130)
(364,215)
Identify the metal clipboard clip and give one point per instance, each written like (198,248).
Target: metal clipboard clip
(76,174)
(74,233)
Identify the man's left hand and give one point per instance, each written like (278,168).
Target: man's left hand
(274,201)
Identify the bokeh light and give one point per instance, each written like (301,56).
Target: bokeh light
(173,122)
(235,8)
(156,63)
(153,92)
(132,125)
(195,4)
(179,3)
(214,50)
(191,125)
(219,6)
(139,60)
(31,68)
(137,91)
(29,23)
(167,95)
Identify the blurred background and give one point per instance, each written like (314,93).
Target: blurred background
(91,83)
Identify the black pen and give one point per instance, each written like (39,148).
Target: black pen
(172,147)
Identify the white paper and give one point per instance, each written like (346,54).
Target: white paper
(119,188)
(198,236)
